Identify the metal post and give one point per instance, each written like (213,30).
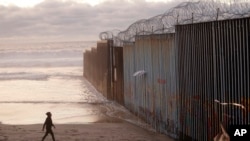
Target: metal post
(192,17)
(218,11)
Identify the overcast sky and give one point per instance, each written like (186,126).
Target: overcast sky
(66,20)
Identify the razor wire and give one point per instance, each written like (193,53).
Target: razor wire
(184,13)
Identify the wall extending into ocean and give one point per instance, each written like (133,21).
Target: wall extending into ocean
(103,68)
(184,83)
(96,66)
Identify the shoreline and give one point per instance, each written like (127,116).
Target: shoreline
(98,131)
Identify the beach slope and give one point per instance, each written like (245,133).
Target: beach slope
(118,131)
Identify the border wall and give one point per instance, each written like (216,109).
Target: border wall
(213,65)
(96,67)
(152,95)
(183,84)
(118,73)
(103,68)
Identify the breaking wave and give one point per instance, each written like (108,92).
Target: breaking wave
(23,76)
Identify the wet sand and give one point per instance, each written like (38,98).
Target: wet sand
(114,123)
(103,131)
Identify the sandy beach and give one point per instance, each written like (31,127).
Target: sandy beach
(37,78)
(103,131)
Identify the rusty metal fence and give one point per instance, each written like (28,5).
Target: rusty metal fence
(103,68)
(183,84)
(96,67)
(118,82)
(150,81)
(213,67)
(191,81)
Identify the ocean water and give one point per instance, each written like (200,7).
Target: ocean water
(40,77)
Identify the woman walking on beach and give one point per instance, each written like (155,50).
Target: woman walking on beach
(48,123)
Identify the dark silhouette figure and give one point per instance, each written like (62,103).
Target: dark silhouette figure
(48,123)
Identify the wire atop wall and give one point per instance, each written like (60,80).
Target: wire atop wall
(184,13)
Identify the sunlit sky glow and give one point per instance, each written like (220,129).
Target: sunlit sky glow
(43,20)
(20,3)
(31,3)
